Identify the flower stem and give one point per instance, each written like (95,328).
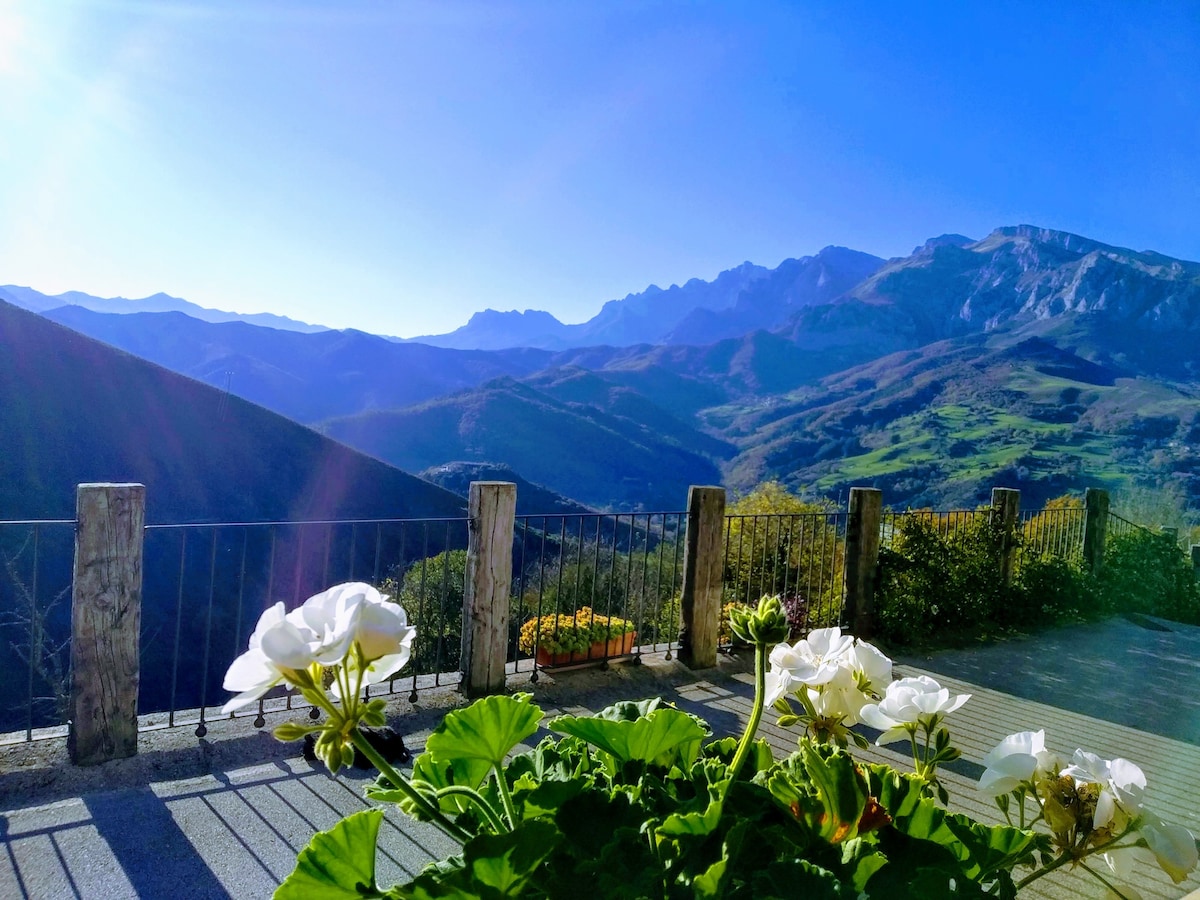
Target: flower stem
(402,784)
(916,753)
(510,809)
(485,808)
(1034,876)
(1104,881)
(760,690)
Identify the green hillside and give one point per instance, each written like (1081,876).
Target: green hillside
(944,424)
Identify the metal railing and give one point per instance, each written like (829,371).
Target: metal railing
(1119,526)
(626,566)
(205,586)
(945,522)
(35,623)
(1057,532)
(800,557)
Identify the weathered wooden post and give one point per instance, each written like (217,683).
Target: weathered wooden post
(862,559)
(1006,507)
(492,508)
(703,577)
(106,616)
(1095,528)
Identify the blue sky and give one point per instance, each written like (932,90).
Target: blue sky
(394,167)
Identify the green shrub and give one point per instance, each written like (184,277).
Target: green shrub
(1053,590)
(1145,572)
(940,585)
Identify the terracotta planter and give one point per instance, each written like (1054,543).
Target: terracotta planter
(621,645)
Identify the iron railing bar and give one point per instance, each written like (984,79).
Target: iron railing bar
(328,547)
(237,627)
(178,623)
(641,605)
(202,729)
(298,569)
(516,650)
(378,550)
(679,538)
(35,636)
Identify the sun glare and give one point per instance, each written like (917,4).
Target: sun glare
(12,32)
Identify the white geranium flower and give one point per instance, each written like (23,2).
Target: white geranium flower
(907,703)
(1019,759)
(1121,784)
(777,684)
(839,698)
(277,647)
(381,628)
(1171,847)
(811,661)
(875,668)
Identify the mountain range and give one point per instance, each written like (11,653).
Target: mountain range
(1031,358)
(737,301)
(36,301)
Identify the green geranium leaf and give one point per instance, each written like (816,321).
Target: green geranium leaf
(840,789)
(992,847)
(494,866)
(504,862)
(554,759)
(705,821)
(712,882)
(800,878)
(338,864)
(664,736)
(981,850)
(486,731)
(547,798)
(629,710)
(759,759)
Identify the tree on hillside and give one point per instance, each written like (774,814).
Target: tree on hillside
(778,543)
(1056,528)
(431,592)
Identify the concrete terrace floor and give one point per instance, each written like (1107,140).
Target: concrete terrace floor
(224,817)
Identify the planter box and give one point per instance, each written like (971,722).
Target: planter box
(621,645)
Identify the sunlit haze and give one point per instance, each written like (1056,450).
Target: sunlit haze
(394,167)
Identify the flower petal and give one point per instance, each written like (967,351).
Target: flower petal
(1173,846)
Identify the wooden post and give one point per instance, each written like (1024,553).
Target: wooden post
(1196,561)
(492,507)
(1095,528)
(1006,507)
(862,559)
(703,577)
(106,616)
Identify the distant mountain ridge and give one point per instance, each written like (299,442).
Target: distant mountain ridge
(737,301)
(38,302)
(1018,278)
(77,410)
(307,377)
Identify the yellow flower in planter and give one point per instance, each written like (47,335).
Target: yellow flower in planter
(574,633)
